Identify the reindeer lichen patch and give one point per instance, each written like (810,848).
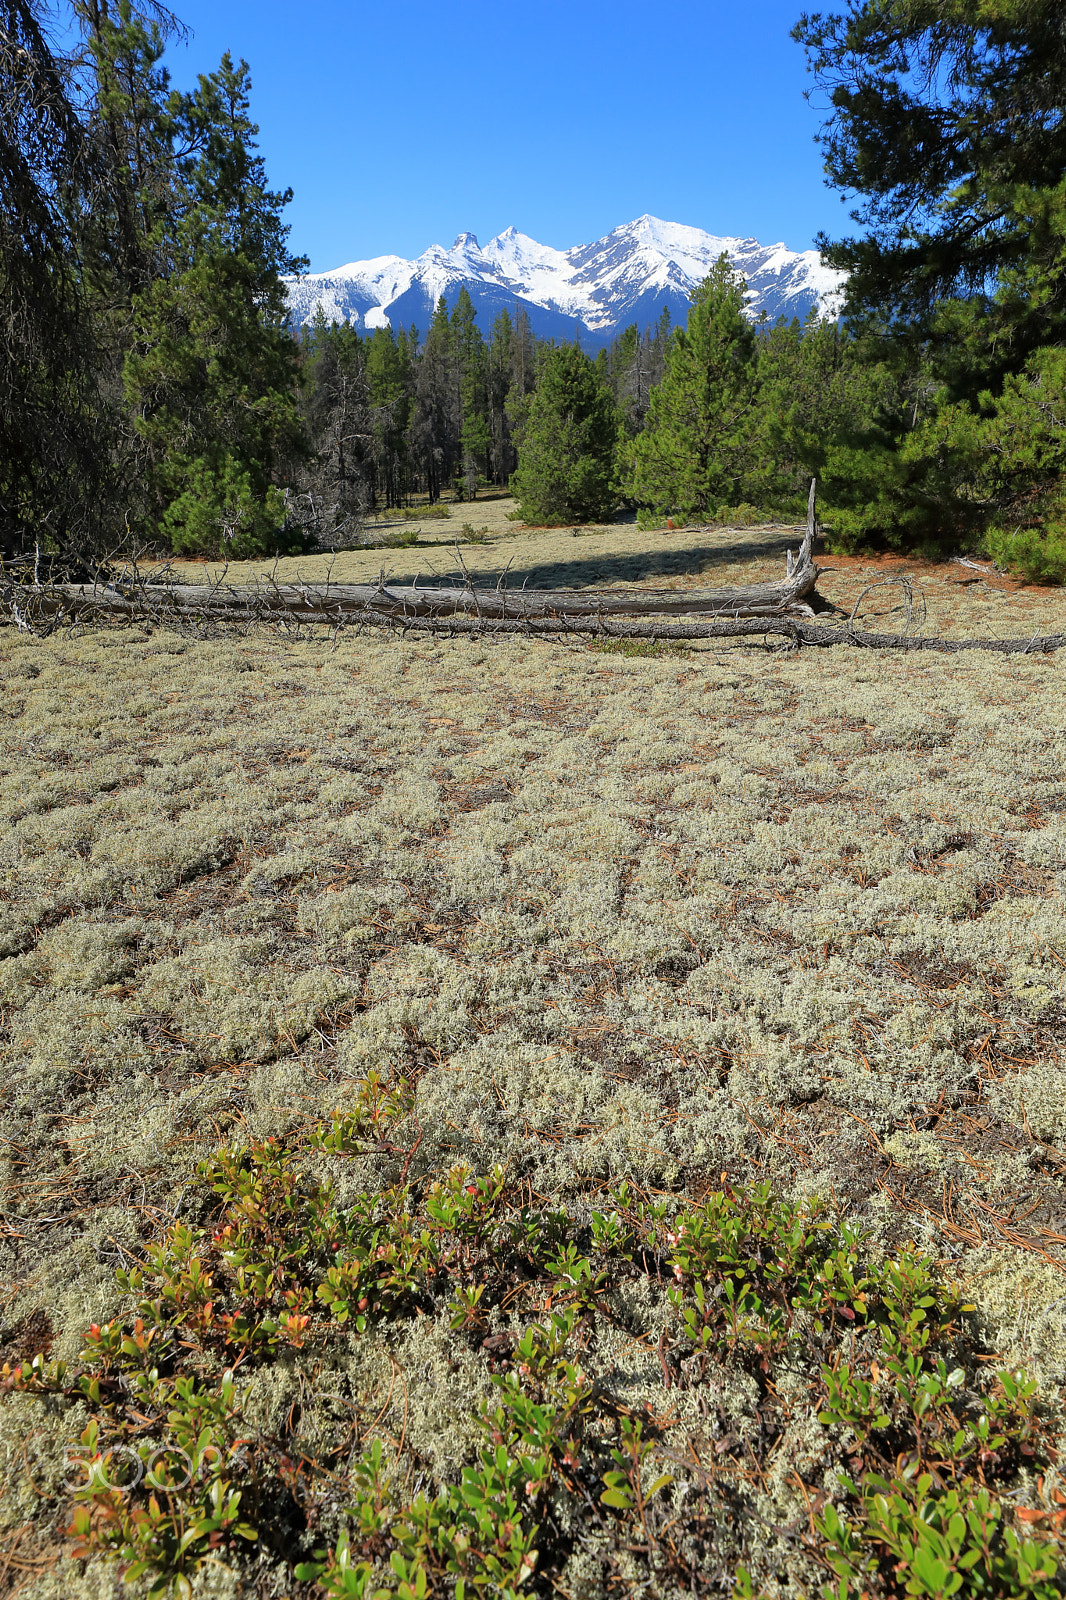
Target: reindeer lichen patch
(687,923)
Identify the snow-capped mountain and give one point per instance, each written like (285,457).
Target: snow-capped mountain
(590,292)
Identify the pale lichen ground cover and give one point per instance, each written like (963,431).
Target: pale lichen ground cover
(740,911)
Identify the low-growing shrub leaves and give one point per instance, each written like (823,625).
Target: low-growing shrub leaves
(935,1441)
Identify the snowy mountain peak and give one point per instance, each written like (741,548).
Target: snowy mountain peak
(590,291)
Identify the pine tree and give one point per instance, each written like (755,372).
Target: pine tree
(503,457)
(701,447)
(525,363)
(947,123)
(566,452)
(132,119)
(389,378)
(468,355)
(434,429)
(335,484)
(817,389)
(81,137)
(635,363)
(211,375)
(49,444)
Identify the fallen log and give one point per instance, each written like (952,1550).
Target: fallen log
(336,602)
(794,630)
(137,598)
(779,609)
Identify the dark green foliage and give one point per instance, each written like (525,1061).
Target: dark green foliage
(335,485)
(566,450)
(815,388)
(703,443)
(389,418)
(633,365)
(468,349)
(499,377)
(1022,467)
(147,379)
(435,425)
(210,379)
(56,467)
(947,126)
(525,361)
(388,359)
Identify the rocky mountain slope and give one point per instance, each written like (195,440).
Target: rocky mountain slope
(590,292)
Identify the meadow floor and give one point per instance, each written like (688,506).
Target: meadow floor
(688,921)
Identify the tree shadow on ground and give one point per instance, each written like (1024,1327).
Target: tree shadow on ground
(631,566)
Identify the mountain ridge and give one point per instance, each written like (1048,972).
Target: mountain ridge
(589,292)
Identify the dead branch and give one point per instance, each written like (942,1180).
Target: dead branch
(39,605)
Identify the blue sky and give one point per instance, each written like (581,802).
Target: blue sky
(401,123)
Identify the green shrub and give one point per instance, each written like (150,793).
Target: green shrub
(649,520)
(934,1441)
(742,516)
(1038,553)
(436,512)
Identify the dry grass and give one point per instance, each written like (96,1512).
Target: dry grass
(742,912)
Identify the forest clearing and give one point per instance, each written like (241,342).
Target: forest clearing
(480,544)
(631,1075)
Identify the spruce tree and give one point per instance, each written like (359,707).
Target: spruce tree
(502,454)
(701,447)
(335,484)
(468,354)
(434,429)
(389,378)
(211,375)
(526,359)
(567,448)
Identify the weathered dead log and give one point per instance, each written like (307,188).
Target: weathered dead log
(333,602)
(797,632)
(792,629)
(779,609)
(139,599)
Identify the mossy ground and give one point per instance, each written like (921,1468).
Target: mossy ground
(695,919)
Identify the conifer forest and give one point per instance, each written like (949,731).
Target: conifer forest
(151,389)
(491,1108)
